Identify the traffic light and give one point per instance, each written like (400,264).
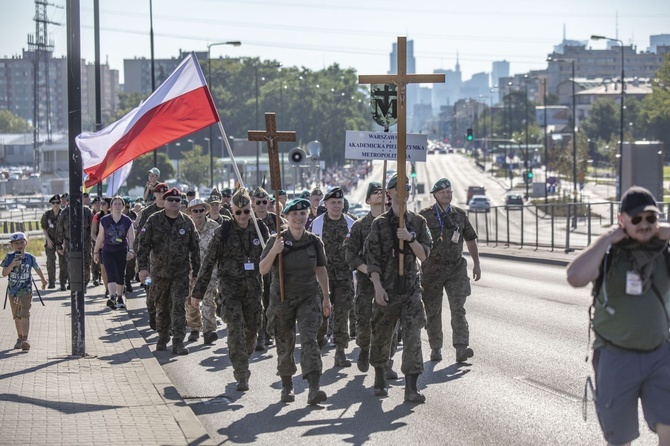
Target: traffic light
(530,176)
(413,170)
(469,135)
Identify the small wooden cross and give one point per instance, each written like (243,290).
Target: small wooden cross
(401,80)
(272,137)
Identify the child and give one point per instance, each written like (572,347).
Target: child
(17,266)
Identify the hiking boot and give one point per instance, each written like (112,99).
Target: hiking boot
(193,336)
(179,349)
(412,394)
(242,385)
(380,388)
(389,372)
(52,285)
(95,282)
(363,361)
(129,287)
(260,344)
(341,359)
(321,342)
(152,321)
(62,287)
(24,345)
(119,302)
(463,353)
(315,395)
(19,341)
(111,302)
(287,395)
(209,337)
(161,345)
(436,354)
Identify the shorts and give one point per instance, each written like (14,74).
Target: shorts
(21,310)
(623,377)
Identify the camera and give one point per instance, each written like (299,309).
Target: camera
(18,255)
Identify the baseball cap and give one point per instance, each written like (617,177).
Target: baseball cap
(17,236)
(154,171)
(636,200)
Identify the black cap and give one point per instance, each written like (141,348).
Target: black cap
(372,187)
(55,198)
(637,199)
(335,192)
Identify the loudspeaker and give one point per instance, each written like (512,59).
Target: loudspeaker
(297,156)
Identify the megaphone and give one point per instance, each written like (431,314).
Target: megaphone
(297,156)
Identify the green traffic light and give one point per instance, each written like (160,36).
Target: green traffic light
(413,174)
(469,137)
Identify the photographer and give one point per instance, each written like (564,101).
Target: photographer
(630,269)
(17,266)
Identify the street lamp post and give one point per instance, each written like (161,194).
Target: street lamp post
(211,163)
(528,163)
(546,142)
(209,79)
(621,112)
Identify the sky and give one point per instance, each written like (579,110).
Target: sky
(352,33)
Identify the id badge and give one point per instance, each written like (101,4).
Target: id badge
(118,240)
(633,283)
(249,266)
(455,237)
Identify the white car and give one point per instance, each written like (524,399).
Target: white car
(479,203)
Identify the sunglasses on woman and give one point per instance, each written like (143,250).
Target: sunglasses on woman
(258,202)
(638,219)
(173,200)
(246,212)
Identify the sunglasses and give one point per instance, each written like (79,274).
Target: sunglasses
(54,202)
(246,212)
(261,202)
(226,196)
(173,200)
(197,211)
(638,219)
(407,188)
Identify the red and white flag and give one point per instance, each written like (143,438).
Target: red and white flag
(180,106)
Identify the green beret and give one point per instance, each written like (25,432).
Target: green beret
(317,191)
(393,181)
(335,192)
(226,192)
(241,198)
(304,194)
(442,183)
(281,192)
(299,204)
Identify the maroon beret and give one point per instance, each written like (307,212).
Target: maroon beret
(174,192)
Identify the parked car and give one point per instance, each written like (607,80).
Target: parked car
(475,190)
(479,203)
(513,201)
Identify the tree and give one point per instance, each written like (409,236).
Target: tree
(655,108)
(195,167)
(141,165)
(10,123)
(127,102)
(603,120)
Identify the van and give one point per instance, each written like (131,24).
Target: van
(475,190)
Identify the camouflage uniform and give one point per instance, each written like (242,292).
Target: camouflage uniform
(446,269)
(340,277)
(146,213)
(270,221)
(165,250)
(205,321)
(240,289)
(381,253)
(302,303)
(48,223)
(63,240)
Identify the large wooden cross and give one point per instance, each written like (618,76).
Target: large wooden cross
(401,79)
(272,137)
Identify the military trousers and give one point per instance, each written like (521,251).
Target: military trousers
(168,295)
(410,312)
(452,279)
(203,318)
(51,254)
(365,295)
(63,268)
(342,299)
(305,310)
(243,312)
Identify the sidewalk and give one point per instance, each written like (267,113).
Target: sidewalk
(117,395)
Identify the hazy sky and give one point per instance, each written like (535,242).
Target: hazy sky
(352,33)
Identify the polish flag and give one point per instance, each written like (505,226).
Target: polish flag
(180,106)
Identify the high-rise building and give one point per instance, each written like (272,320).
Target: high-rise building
(658,40)
(500,69)
(412,89)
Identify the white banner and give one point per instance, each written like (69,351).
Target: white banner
(383,146)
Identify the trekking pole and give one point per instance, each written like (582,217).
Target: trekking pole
(37,289)
(6,294)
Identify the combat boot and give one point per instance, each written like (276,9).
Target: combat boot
(315,395)
(380,382)
(152,321)
(242,384)
(193,336)
(52,285)
(463,353)
(390,373)
(341,359)
(412,394)
(287,395)
(260,342)
(178,347)
(209,337)
(161,345)
(436,354)
(363,361)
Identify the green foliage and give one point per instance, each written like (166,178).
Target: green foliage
(10,123)
(141,165)
(127,102)
(195,167)
(655,108)
(603,120)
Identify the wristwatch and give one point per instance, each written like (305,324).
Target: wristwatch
(413,239)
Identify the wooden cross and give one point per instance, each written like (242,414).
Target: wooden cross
(272,137)
(401,80)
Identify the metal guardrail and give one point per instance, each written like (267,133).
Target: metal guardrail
(566,226)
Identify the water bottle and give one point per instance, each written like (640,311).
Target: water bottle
(147,281)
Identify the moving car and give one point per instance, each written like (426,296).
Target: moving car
(479,203)
(513,201)
(475,190)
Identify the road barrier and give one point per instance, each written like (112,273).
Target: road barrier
(8,227)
